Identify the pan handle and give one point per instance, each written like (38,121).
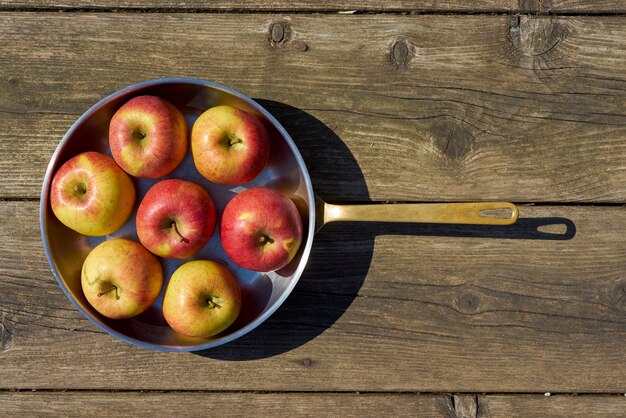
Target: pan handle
(448,213)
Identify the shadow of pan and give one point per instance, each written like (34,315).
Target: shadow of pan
(342,252)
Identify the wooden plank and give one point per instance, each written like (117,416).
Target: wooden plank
(193,404)
(475,107)
(553,406)
(283,5)
(169,404)
(579,6)
(536,307)
(453,6)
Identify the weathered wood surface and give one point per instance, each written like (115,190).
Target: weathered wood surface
(286,5)
(224,404)
(521,406)
(167,404)
(379,308)
(388,105)
(385,6)
(575,6)
(384,107)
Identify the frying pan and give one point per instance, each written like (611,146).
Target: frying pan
(262,293)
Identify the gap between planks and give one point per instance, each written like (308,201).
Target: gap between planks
(381,11)
(313,392)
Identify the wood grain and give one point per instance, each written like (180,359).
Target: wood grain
(453,6)
(579,6)
(414,108)
(537,307)
(166,404)
(553,406)
(225,404)
(284,5)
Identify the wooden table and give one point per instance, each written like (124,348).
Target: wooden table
(400,100)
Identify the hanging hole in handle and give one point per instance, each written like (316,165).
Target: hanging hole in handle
(553,229)
(499,213)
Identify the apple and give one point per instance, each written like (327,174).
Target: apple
(261,229)
(201,299)
(91,194)
(175,219)
(121,279)
(148,137)
(229,145)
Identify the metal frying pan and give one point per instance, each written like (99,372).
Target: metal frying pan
(262,293)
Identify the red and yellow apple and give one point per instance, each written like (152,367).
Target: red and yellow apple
(121,279)
(261,229)
(148,137)
(201,299)
(176,218)
(229,145)
(91,194)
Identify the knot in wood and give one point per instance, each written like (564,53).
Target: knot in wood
(534,36)
(278,32)
(452,140)
(5,336)
(618,294)
(468,303)
(400,54)
(307,362)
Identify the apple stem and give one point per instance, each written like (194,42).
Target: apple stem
(211,304)
(137,134)
(232,140)
(264,239)
(117,296)
(182,238)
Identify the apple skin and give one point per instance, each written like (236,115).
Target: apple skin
(229,145)
(176,218)
(201,299)
(148,137)
(261,229)
(91,194)
(121,279)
